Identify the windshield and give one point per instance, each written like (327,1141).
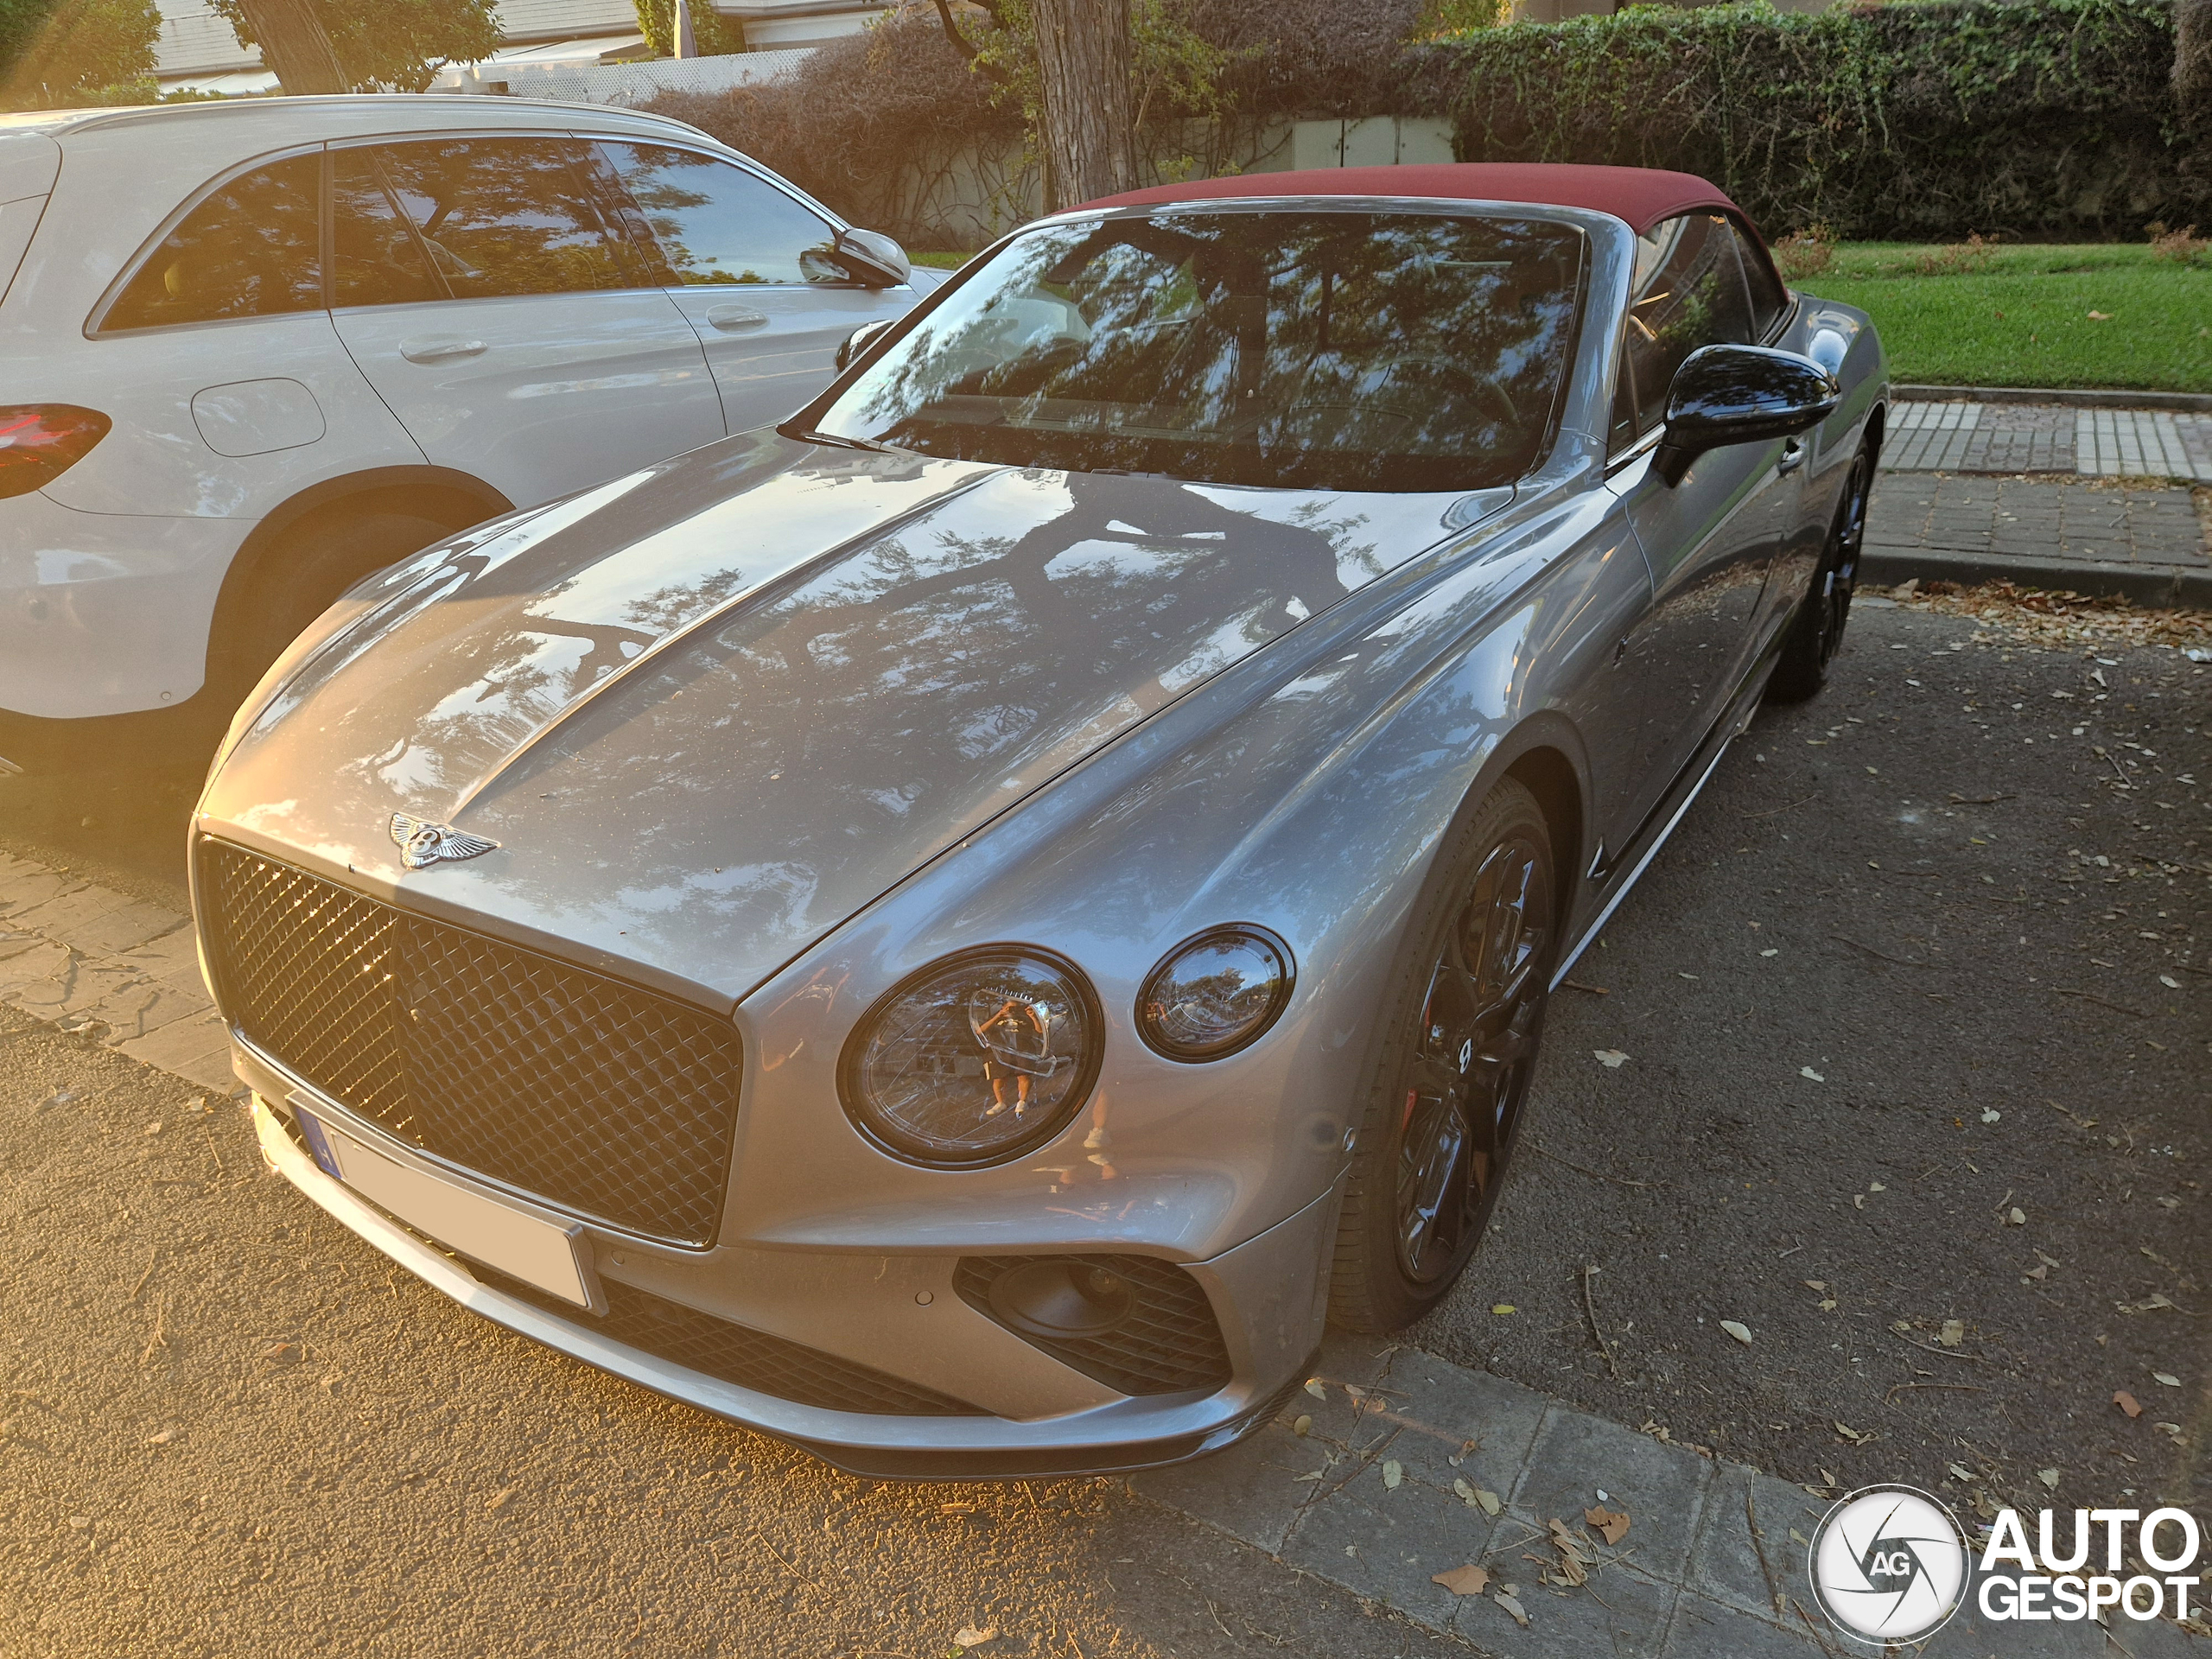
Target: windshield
(1307,349)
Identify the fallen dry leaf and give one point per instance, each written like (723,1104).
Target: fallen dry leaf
(2016,1217)
(2049,1477)
(1393,1472)
(2167,1379)
(1612,1060)
(2101,316)
(1808,1071)
(1513,1607)
(1313,1387)
(169,1435)
(283,1353)
(1303,1426)
(1953,1333)
(1739,1330)
(2126,1401)
(1850,1434)
(969,1636)
(498,1500)
(1469,1580)
(1612,1523)
(1504,1308)
(1821,1285)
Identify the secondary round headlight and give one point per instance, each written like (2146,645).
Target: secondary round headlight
(1215,993)
(975,1060)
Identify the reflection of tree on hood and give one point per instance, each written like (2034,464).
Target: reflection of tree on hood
(1219,578)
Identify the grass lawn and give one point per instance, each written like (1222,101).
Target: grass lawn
(2020,316)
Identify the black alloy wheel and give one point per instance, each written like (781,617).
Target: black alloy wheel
(1445,1105)
(1817,633)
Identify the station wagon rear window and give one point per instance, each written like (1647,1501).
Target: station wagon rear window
(1337,350)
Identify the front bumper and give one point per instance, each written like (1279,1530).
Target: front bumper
(1280,1270)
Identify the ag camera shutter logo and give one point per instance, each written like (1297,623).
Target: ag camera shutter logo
(1889,1564)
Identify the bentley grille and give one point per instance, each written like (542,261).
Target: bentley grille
(596,1095)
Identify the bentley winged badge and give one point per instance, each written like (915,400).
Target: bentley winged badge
(422,843)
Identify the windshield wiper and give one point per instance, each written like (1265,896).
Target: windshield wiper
(836,442)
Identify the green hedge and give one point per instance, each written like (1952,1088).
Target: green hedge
(1914,121)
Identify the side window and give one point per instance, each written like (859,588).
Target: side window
(1688,291)
(500,216)
(374,256)
(250,249)
(1768,297)
(717,223)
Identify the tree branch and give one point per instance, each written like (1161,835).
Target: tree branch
(966,48)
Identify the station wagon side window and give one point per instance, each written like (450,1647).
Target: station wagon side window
(1688,291)
(717,225)
(251,248)
(489,217)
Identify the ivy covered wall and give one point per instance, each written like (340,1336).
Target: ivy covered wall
(1919,120)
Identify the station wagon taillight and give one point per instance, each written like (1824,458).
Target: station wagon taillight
(40,442)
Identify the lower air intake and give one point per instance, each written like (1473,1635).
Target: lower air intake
(1168,1342)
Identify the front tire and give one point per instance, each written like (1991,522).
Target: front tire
(1817,633)
(1443,1105)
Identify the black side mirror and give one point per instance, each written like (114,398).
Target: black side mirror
(858,341)
(873,259)
(1740,394)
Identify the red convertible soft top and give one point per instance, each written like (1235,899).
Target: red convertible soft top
(1642,195)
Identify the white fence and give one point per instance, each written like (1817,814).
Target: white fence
(624,83)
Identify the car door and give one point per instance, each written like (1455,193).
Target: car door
(487,290)
(753,267)
(1709,538)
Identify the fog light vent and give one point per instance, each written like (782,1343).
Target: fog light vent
(1135,1323)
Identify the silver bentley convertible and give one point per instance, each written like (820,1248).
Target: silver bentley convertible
(961,929)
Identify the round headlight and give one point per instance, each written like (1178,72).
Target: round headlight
(1215,993)
(974,1059)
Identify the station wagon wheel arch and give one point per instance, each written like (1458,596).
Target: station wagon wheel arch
(444,501)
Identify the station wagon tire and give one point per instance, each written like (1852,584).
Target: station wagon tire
(1817,633)
(318,559)
(1444,1101)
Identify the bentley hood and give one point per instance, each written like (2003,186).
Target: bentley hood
(709,711)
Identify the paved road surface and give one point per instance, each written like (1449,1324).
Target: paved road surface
(231,1429)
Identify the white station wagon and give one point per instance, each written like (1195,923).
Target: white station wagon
(251,352)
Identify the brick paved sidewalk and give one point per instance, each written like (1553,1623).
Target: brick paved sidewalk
(2046,497)
(1970,437)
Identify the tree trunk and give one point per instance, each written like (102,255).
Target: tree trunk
(295,46)
(1082,62)
(2193,61)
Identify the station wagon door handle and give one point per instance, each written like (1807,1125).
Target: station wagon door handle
(736,319)
(1793,457)
(437,348)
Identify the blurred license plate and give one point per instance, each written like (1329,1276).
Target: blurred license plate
(537,1252)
